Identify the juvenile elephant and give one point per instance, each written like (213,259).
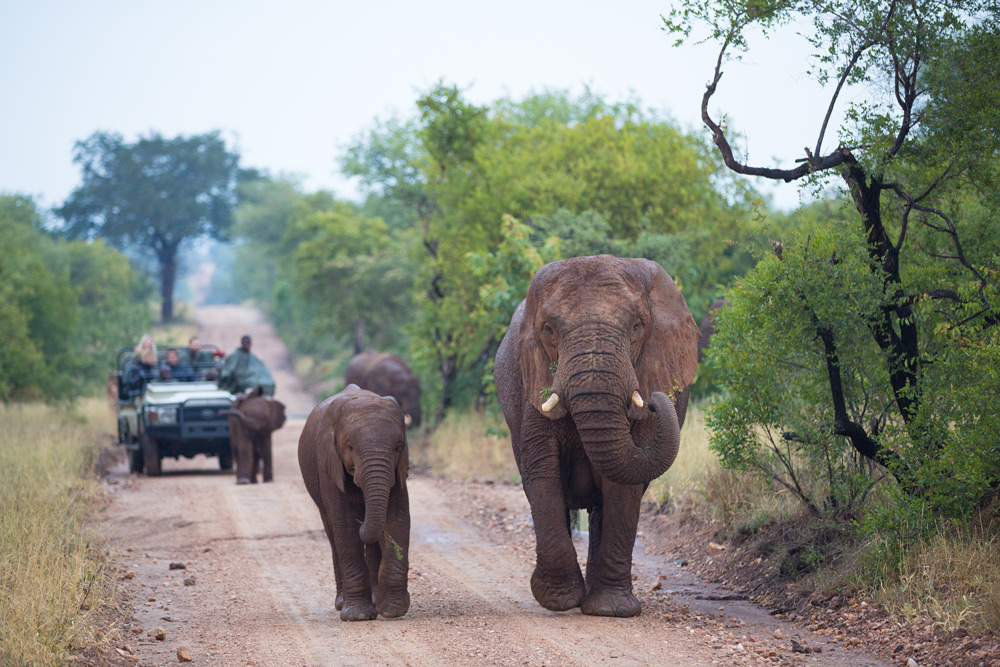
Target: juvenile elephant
(592,338)
(252,418)
(354,462)
(387,375)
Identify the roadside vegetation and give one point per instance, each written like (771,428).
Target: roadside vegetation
(847,411)
(65,307)
(56,589)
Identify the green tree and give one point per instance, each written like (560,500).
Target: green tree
(458,169)
(65,307)
(355,274)
(924,230)
(154,194)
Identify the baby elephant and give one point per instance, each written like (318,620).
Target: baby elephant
(354,461)
(253,416)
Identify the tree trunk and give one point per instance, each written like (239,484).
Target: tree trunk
(168,275)
(359,336)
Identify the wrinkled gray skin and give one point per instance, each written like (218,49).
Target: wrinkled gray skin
(707,326)
(594,330)
(354,462)
(253,417)
(387,375)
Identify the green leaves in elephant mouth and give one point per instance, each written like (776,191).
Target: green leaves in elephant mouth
(395,546)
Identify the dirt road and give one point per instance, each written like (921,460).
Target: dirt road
(257,582)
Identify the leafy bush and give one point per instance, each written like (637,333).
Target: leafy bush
(65,307)
(796,354)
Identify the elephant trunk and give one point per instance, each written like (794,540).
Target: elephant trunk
(376,481)
(598,400)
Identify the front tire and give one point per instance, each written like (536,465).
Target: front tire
(151,455)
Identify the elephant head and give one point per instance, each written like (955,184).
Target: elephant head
(370,447)
(598,336)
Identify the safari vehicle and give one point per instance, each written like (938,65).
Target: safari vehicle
(173,418)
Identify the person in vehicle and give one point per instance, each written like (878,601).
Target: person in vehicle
(174,369)
(142,366)
(193,354)
(243,370)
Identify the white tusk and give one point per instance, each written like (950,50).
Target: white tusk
(407,419)
(551,403)
(637,399)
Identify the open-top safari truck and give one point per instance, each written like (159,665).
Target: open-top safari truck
(172,418)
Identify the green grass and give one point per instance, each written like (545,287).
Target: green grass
(53,578)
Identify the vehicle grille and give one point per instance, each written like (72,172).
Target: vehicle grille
(203,420)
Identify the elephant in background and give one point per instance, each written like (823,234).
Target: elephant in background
(707,326)
(594,338)
(253,417)
(354,462)
(387,375)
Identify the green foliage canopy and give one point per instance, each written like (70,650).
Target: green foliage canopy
(851,338)
(65,308)
(154,194)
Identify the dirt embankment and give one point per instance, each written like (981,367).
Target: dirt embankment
(243,575)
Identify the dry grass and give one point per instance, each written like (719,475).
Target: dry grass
(464,446)
(53,579)
(696,483)
(951,579)
(695,462)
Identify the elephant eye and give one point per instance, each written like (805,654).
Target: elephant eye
(547,330)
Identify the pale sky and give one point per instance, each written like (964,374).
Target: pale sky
(291,85)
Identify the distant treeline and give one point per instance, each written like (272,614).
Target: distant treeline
(464,203)
(65,307)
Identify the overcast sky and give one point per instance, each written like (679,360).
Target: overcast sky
(290,86)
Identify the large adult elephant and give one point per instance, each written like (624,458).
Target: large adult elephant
(387,375)
(354,462)
(253,417)
(592,339)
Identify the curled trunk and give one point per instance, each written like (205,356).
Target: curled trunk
(599,399)
(377,481)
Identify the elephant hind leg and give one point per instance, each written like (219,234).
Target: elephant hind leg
(268,464)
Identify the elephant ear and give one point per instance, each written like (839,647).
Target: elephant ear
(534,362)
(669,358)
(332,425)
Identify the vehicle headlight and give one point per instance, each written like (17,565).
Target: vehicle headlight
(163,415)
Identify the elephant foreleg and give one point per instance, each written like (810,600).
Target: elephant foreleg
(392,596)
(350,554)
(556,583)
(609,566)
(328,527)
(373,558)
